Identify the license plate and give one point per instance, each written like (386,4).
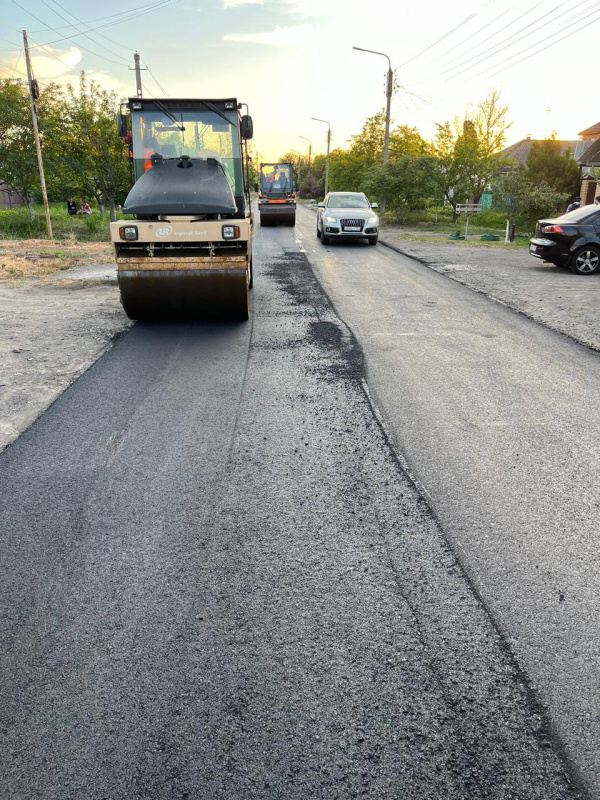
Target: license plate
(532,248)
(351,229)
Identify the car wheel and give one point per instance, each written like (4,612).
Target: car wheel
(318,231)
(373,240)
(324,239)
(586,261)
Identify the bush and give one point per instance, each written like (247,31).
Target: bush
(16,223)
(490,219)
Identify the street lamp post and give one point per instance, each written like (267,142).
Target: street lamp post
(328,146)
(306,139)
(389,88)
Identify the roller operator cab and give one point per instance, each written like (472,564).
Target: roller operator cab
(187,253)
(276,195)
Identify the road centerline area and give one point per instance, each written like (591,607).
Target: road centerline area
(217,582)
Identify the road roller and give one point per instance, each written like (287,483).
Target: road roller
(185,252)
(276,195)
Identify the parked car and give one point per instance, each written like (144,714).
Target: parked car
(571,240)
(347,215)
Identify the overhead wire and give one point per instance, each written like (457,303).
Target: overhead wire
(480,50)
(510,66)
(445,35)
(82,33)
(143,8)
(497,49)
(70,38)
(150,10)
(471,36)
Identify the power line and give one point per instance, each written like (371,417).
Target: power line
(109,16)
(445,36)
(481,50)
(154,78)
(497,49)
(471,36)
(437,41)
(548,45)
(118,55)
(70,38)
(156,7)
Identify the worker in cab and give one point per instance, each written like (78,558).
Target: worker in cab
(150,147)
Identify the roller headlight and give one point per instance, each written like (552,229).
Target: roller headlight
(372,220)
(129,233)
(230,232)
(329,218)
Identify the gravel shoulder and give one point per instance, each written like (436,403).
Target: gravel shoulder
(555,297)
(55,320)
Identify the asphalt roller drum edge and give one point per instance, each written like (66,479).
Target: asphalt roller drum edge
(156,295)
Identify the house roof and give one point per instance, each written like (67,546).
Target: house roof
(591,156)
(520,151)
(594,130)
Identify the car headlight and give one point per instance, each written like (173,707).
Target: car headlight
(372,220)
(329,218)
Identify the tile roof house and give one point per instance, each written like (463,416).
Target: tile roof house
(519,152)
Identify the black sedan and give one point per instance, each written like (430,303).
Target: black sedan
(572,240)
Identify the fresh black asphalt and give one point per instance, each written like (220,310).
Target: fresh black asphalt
(216,581)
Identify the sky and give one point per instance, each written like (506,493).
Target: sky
(291,60)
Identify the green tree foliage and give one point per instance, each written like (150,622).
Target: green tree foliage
(93,156)
(18,159)
(546,163)
(81,150)
(526,199)
(468,154)
(309,188)
(348,167)
(406,183)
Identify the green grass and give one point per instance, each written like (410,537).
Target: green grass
(16,223)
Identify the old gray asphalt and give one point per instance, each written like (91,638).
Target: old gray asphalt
(499,419)
(217,582)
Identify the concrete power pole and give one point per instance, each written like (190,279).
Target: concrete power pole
(328,148)
(33,95)
(138,74)
(389,90)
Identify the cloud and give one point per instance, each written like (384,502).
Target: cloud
(280,37)
(236,3)
(51,63)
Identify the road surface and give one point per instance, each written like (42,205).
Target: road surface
(217,581)
(498,419)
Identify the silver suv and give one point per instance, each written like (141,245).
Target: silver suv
(347,215)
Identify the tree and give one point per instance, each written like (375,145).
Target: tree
(309,188)
(405,182)
(547,163)
(18,160)
(92,156)
(491,124)
(526,199)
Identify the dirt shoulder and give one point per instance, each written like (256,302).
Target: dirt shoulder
(556,297)
(56,318)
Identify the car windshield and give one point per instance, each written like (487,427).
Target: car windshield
(347,201)
(581,214)
(204,135)
(275,178)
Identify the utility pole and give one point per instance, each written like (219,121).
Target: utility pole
(138,73)
(389,90)
(306,139)
(33,96)
(328,147)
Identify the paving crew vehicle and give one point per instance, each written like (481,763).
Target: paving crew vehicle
(276,195)
(188,252)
